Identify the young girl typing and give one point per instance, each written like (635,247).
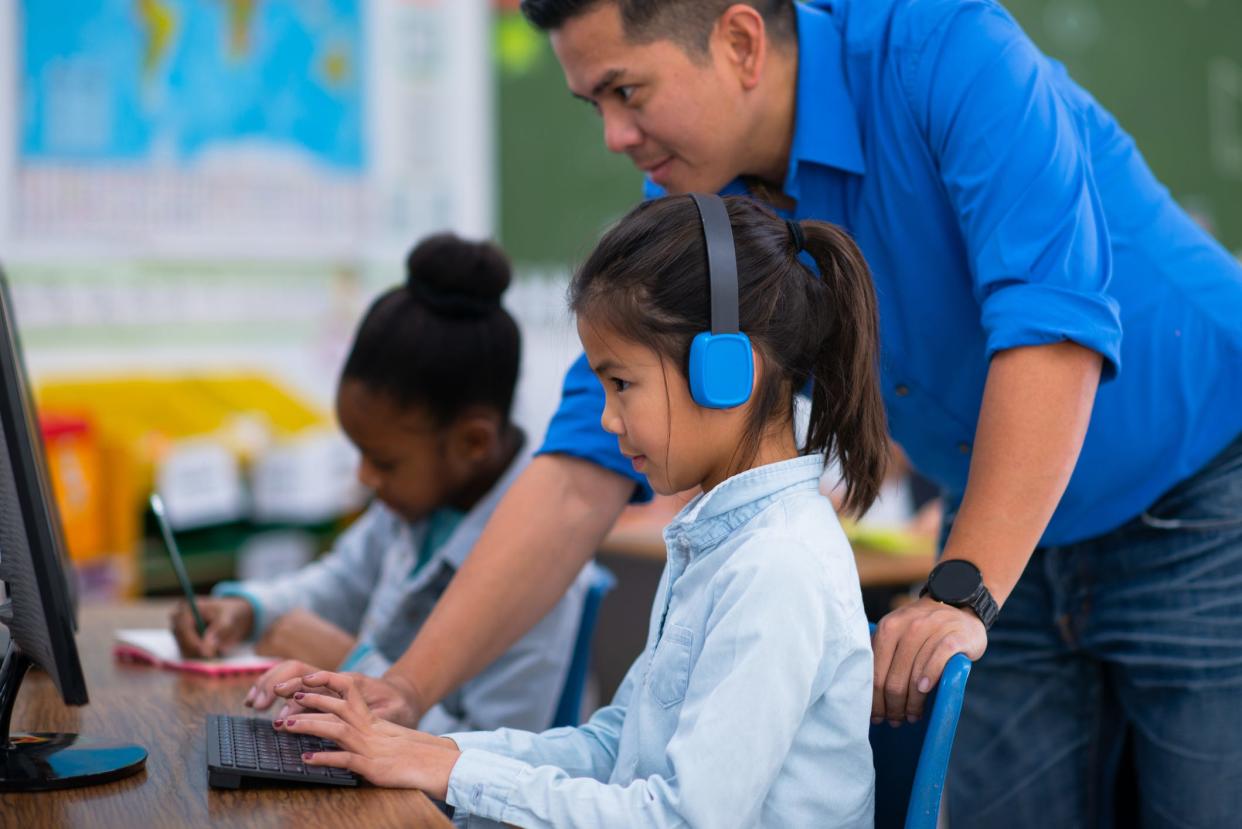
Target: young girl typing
(425,396)
(750,705)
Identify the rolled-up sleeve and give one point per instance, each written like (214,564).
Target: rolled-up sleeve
(575,428)
(1015,165)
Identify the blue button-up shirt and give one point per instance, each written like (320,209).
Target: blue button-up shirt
(1000,206)
(749,706)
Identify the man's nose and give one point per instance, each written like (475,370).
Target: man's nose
(620,131)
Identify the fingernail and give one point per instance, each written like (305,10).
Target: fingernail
(877,720)
(279,685)
(911,718)
(924,685)
(289,723)
(250,694)
(306,755)
(298,695)
(311,676)
(895,723)
(278,723)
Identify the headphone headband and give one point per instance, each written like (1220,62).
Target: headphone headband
(721,262)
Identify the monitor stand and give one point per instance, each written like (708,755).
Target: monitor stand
(42,761)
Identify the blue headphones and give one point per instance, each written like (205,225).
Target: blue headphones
(722,366)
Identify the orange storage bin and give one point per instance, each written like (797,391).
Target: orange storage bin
(76,469)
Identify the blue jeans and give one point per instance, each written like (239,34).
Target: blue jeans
(1139,631)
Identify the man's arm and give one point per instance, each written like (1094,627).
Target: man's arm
(1036,406)
(544,530)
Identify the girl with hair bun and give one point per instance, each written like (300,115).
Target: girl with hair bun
(425,396)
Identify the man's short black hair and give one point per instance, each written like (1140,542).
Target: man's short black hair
(687,22)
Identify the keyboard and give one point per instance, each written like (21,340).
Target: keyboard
(248,748)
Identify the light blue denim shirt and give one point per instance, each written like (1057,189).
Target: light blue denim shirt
(749,706)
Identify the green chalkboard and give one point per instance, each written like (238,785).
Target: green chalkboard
(1170,70)
(559,187)
(1171,73)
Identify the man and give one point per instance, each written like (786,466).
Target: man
(1015,233)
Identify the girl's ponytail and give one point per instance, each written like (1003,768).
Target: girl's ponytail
(847,410)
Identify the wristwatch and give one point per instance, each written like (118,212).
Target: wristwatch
(958,583)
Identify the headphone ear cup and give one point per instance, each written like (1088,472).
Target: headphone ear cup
(722,370)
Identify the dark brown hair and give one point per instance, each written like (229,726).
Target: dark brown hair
(442,341)
(647,281)
(685,22)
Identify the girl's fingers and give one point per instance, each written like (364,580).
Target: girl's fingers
(340,684)
(322,702)
(335,759)
(330,729)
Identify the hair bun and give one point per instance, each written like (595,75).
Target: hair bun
(456,277)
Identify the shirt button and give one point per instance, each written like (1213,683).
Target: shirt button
(902,390)
(964,448)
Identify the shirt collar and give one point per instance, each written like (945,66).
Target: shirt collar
(711,517)
(825,122)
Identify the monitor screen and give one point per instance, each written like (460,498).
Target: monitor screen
(41,615)
(39,608)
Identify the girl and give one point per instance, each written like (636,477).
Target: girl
(751,702)
(425,396)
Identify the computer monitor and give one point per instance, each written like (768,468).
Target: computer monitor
(39,607)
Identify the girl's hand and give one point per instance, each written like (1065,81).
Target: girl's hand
(384,753)
(228,622)
(912,645)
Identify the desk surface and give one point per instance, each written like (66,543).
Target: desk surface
(165,712)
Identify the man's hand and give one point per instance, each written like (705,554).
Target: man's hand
(912,645)
(228,621)
(384,753)
(306,636)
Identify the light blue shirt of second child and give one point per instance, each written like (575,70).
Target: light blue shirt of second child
(749,706)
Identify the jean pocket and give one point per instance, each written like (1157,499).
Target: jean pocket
(1211,499)
(669,674)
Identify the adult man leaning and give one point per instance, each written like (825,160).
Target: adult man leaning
(1062,352)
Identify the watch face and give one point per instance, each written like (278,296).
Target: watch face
(954,580)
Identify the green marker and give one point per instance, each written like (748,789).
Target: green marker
(157,506)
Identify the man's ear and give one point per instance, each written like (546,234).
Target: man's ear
(741,37)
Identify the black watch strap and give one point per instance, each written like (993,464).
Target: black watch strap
(985,607)
(980,601)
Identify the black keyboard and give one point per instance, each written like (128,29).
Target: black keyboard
(241,748)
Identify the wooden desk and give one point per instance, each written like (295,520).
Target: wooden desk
(165,712)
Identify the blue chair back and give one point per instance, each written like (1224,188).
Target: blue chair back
(912,760)
(569,709)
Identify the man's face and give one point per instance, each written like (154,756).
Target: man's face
(682,123)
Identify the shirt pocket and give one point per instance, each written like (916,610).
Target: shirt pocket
(670,666)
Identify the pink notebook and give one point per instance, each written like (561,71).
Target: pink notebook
(156,646)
